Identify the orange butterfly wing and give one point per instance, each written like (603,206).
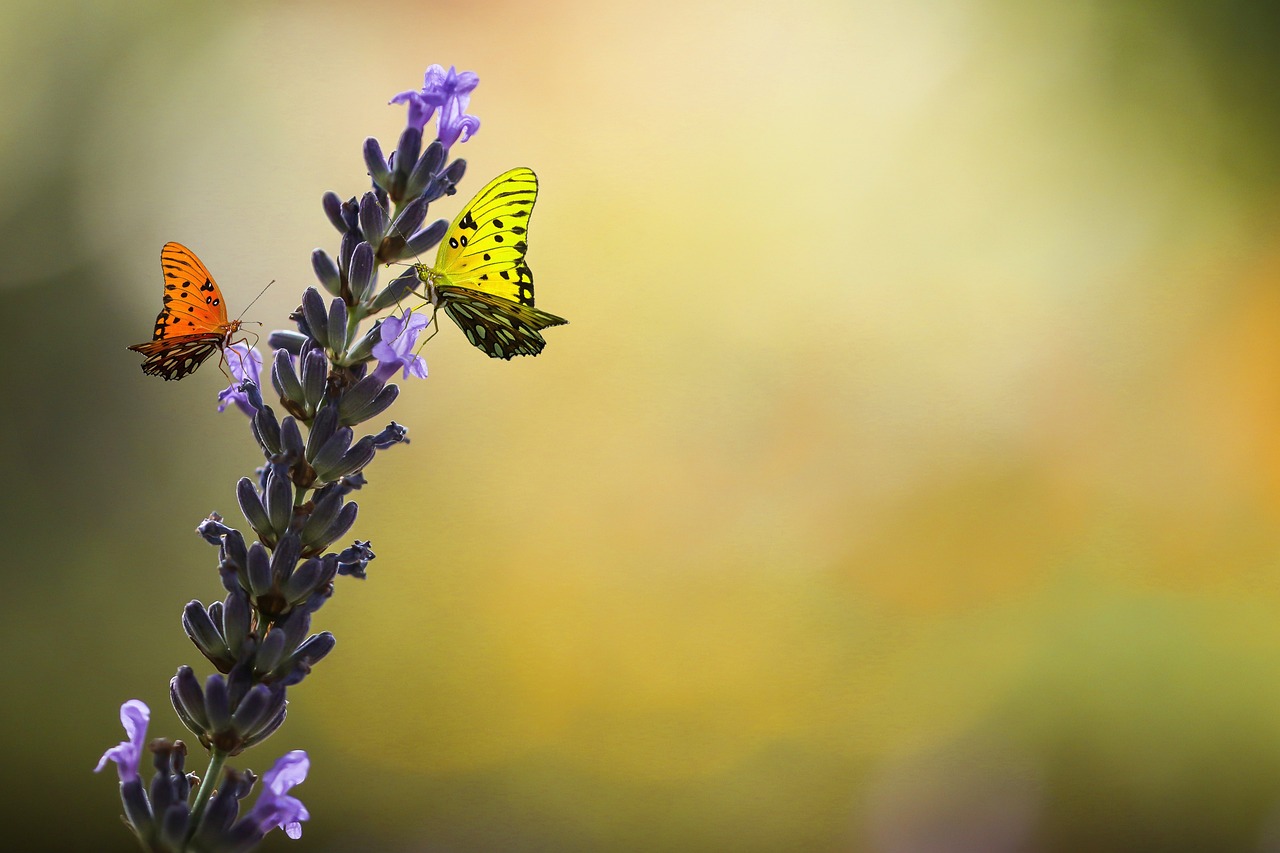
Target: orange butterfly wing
(193,323)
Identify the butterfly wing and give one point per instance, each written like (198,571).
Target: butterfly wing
(192,325)
(480,275)
(498,326)
(177,355)
(485,246)
(192,300)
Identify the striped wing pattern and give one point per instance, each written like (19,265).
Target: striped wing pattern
(175,357)
(480,277)
(499,327)
(193,323)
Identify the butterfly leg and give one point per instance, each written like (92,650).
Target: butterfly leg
(245,340)
(435,309)
(223,366)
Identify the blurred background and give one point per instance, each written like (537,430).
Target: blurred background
(907,479)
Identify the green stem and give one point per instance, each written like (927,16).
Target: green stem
(354,315)
(216,759)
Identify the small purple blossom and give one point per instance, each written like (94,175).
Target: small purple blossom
(246,366)
(275,807)
(396,349)
(134,716)
(450,92)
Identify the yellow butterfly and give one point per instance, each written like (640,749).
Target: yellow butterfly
(480,277)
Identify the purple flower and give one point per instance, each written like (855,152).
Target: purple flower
(399,337)
(275,808)
(450,92)
(246,366)
(134,716)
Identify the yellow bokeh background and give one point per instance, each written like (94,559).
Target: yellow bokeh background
(907,478)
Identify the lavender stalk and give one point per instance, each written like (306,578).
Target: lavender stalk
(331,377)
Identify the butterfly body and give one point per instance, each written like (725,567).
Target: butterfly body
(480,277)
(193,323)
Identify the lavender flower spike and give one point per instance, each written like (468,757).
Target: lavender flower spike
(275,807)
(246,366)
(134,716)
(331,375)
(450,92)
(396,350)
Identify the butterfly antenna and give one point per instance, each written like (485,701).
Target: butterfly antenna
(256,298)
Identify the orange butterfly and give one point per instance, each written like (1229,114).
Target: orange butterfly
(192,324)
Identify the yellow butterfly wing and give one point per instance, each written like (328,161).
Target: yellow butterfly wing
(485,246)
(480,277)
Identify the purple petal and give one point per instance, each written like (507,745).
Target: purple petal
(417,322)
(454,120)
(245,362)
(417,367)
(233,394)
(420,109)
(396,349)
(433,85)
(134,716)
(385,354)
(391,328)
(465,81)
(246,365)
(290,769)
(450,92)
(275,807)
(468,125)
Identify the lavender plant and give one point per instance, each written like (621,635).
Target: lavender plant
(331,376)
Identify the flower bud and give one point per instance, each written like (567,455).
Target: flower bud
(425,239)
(202,631)
(363,276)
(373,220)
(286,340)
(375,407)
(217,703)
(279,499)
(254,511)
(333,209)
(330,453)
(379,171)
(285,379)
(337,528)
(266,430)
(315,375)
(407,153)
(330,279)
(313,306)
(425,169)
(258,572)
(338,326)
(188,700)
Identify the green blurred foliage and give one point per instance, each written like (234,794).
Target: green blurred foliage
(906,479)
